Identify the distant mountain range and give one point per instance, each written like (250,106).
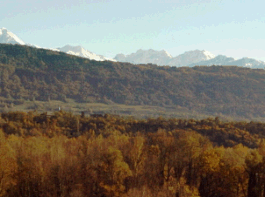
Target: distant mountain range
(80,51)
(229,61)
(189,58)
(8,37)
(164,58)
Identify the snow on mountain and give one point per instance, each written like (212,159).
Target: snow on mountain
(164,58)
(33,45)
(208,54)
(145,57)
(80,51)
(250,63)
(9,38)
(190,57)
(218,60)
(229,61)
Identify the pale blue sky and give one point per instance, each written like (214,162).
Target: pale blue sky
(108,27)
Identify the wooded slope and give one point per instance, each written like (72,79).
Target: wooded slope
(31,73)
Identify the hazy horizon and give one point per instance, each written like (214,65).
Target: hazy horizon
(231,28)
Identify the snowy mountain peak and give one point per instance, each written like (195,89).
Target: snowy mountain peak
(145,57)
(80,51)
(208,54)
(164,58)
(9,38)
(190,57)
(229,61)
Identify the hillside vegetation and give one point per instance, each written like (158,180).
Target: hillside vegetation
(36,74)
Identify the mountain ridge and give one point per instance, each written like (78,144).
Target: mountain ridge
(188,58)
(162,57)
(80,51)
(29,73)
(229,61)
(7,37)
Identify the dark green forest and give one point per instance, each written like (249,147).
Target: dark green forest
(37,74)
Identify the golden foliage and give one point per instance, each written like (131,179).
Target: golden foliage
(111,157)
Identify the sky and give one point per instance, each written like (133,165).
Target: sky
(108,27)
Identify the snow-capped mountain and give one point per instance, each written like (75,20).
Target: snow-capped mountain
(164,58)
(249,62)
(218,60)
(9,38)
(190,57)
(80,51)
(145,57)
(229,61)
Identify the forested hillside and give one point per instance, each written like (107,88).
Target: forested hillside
(38,74)
(68,155)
